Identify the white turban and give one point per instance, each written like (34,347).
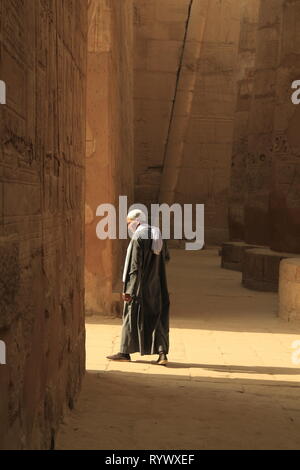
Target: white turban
(139,216)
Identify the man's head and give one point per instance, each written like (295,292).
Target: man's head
(135,218)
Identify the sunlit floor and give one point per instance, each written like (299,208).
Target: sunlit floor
(231,382)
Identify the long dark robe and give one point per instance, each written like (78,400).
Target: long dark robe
(146,317)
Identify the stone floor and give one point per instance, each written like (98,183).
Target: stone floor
(231,382)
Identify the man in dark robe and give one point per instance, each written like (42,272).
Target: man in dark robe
(146,308)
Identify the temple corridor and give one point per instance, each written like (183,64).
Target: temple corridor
(180,104)
(230,383)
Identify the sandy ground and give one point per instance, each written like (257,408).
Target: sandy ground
(230,384)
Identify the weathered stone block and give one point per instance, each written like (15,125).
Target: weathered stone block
(233,254)
(261,269)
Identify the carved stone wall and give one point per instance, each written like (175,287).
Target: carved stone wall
(265,185)
(42,132)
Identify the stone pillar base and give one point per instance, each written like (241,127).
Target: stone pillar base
(289,289)
(233,255)
(261,269)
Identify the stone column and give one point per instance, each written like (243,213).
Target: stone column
(160,32)
(285,191)
(183,101)
(245,79)
(289,289)
(204,174)
(109,149)
(261,126)
(98,267)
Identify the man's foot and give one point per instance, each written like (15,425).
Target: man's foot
(162,360)
(120,357)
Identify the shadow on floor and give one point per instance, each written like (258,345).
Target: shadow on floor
(230,368)
(120,410)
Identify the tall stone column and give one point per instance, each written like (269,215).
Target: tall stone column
(261,125)
(183,100)
(109,149)
(98,267)
(245,80)
(285,188)
(204,173)
(160,34)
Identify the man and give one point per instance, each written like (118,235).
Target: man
(146,309)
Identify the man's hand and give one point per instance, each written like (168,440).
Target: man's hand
(127,297)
